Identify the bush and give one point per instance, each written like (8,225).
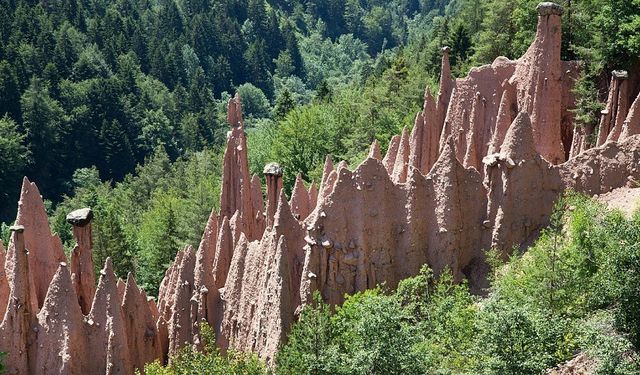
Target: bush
(209,361)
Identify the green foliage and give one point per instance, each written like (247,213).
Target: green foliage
(208,361)
(254,102)
(304,138)
(104,84)
(143,221)
(14,156)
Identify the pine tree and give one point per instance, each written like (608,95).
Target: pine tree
(284,104)
(116,151)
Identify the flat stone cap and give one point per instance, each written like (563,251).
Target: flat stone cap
(547,8)
(620,74)
(272,169)
(17,228)
(446,49)
(81,217)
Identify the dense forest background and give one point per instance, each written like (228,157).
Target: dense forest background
(120,105)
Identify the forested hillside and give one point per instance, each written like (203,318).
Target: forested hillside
(102,83)
(93,91)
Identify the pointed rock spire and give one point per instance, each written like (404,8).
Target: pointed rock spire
(15,328)
(45,248)
(60,325)
(284,212)
(425,136)
(232,293)
(224,253)
(313,196)
(446,87)
(474,147)
(300,205)
(84,279)
(631,124)
(236,188)
(106,327)
(328,168)
(206,251)
(416,141)
(180,324)
(538,78)
(374,150)
(614,114)
(258,206)
(448,155)
(273,176)
(4,284)
(518,142)
(278,306)
(389,160)
(204,283)
(502,122)
(234,113)
(143,340)
(402,159)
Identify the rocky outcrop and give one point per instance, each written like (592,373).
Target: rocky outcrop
(237,192)
(15,329)
(539,83)
(300,202)
(204,285)
(82,274)
(143,339)
(4,283)
(481,168)
(61,325)
(631,125)
(44,247)
(523,187)
(615,112)
(107,340)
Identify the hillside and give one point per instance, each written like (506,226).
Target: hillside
(100,83)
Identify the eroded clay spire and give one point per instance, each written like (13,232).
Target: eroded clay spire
(518,142)
(180,324)
(45,249)
(502,122)
(389,160)
(106,327)
(4,284)
(203,278)
(374,150)
(143,339)
(632,122)
(234,112)
(15,328)
(326,171)
(224,253)
(614,114)
(313,195)
(236,188)
(61,326)
(402,159)
(83,276)
(273,176)
(446,87)
(300,205)
(538,78)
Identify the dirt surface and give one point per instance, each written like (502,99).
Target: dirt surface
(624,199)
(579,365)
